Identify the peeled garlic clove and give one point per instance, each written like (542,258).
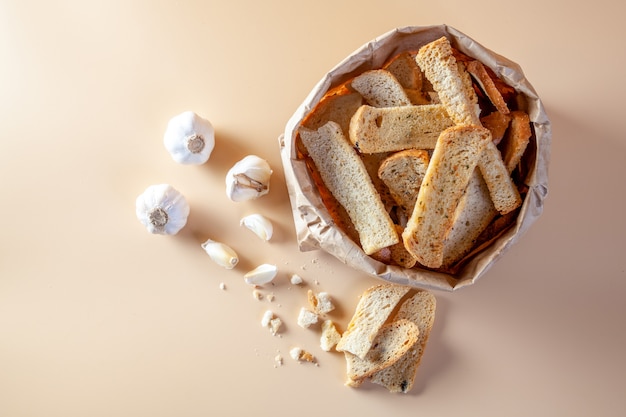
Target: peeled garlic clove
(248,179)
(162,209)
(189,138)
(259,225)
(221,254)
(261,275)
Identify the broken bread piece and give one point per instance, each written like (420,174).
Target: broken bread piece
(451,82)
(516,139)
(392,341)
(502,190)
(376,130)
(372,310)
(344,174)
(380,88)
(400,376)
(403,172)
(456,155)
(338,107)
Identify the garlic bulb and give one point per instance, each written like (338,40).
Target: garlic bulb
(221,254)
(248,179)
(261,275)
(259,225)
(189,138)
(162,209)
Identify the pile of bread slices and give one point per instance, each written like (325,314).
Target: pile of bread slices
(419,162)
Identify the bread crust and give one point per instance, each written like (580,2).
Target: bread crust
(452,163)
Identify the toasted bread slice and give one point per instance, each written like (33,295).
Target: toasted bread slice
(400,376)
(380,89)
(517,139)
(403,173)
(503,191)
(399,255)
(338,108)
(497,123)
(472,216)
(484,80)
(390,344)
(406,71)
(375,130)
(456,155)
(452,85)
(372,311)
(345,176)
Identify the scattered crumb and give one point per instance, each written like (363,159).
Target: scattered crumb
(306,318)
(301,355)
(278,360)
(316,282)
(321,302)
(296,279)
(222,286)
(330,336)
(270,297)
(257,295)
(275,325)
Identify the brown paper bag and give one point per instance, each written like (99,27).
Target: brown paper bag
(314,226)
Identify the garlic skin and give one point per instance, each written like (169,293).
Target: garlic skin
(262,274)
(189,138)
(221,254)
(248,179)
(162,209)
(259,225)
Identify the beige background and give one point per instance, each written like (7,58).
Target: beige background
(99,318)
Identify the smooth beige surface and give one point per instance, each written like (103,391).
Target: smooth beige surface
(99,318)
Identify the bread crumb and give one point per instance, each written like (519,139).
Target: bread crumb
(278,360)
(330,336)
(222,286)
(257,295)
(275,325)
(306,318)
(321,302)
(301,355)
(296,279)
(270,297)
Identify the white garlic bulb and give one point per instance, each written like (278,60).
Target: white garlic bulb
(162,209)
(262,274)
(259,225)
(248,179)
(220,253)
(189,138)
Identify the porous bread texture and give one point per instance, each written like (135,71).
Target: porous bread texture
(453,86)
(338,107)
(380,88)
(400,376)
(502,190)
(455,156)
(473,214)
(375,130)
(330,336)
(372,310)
(346,178)
(404,68)
(390,344)
(403,173)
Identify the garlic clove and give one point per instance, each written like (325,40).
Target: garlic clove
(162,209)
(220,253)
(259,225)
(262,274)
(189,138)
(248,179)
